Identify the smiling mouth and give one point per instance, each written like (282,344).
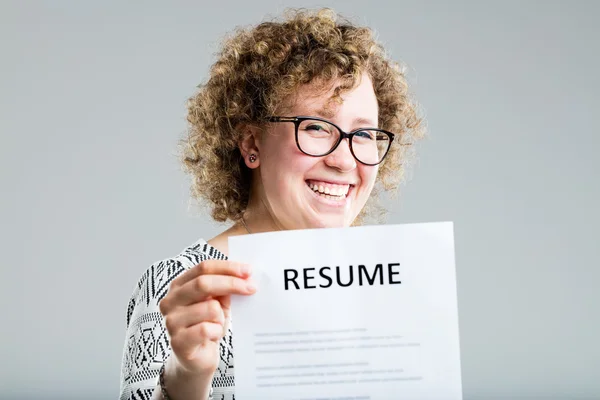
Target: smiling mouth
(329,191)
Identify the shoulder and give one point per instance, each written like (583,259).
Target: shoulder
(147,344)
(154,283)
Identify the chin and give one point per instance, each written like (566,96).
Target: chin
(329,222)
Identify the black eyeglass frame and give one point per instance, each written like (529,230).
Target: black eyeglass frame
(343,135)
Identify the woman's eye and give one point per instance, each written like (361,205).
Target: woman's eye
(317,128)
(364,135)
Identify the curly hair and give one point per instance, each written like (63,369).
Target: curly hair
(257,69)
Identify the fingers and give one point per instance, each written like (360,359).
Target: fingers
(196,309)
(186,342)
(204,331)
(225,304)
(209,279)
(185,317)
(213,267)
(210,286)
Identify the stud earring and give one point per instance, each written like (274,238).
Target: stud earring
(252,158)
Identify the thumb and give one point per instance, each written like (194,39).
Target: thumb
(225,302)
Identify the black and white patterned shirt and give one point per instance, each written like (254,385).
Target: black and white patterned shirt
(147,344)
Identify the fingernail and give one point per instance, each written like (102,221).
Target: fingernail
(246,270)
(251,287)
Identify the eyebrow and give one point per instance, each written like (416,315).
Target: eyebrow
(329,114)
(365,121)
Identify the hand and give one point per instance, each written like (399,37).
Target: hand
(197,310)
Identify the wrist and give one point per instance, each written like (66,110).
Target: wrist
(177,383)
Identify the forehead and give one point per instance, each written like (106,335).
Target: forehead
(327,99)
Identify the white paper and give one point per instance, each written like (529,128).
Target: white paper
(396,340)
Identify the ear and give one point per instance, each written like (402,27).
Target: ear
(248,145)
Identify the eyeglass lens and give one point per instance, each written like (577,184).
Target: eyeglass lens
(318,138)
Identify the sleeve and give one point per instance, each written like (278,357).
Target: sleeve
(146,344)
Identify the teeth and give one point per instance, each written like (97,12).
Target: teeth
(329,192)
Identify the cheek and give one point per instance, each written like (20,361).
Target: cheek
(368,175)
(276,147)
(291,171)
(284,166)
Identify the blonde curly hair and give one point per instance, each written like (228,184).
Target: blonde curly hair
(257,69)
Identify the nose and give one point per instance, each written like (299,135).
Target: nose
(341,158)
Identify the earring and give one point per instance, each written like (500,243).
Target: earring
(252,158)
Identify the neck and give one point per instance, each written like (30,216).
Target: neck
(258,217)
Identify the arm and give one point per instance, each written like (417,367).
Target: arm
(184,329)
(147,347)
(140,362)
(180,386)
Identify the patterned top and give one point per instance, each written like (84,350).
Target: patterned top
(146,342)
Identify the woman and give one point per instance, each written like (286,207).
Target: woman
(298,123)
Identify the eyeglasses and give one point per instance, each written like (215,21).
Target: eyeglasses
(318,137)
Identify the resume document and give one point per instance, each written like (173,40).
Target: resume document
(361,313)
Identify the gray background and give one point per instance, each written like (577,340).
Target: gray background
(92,104)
